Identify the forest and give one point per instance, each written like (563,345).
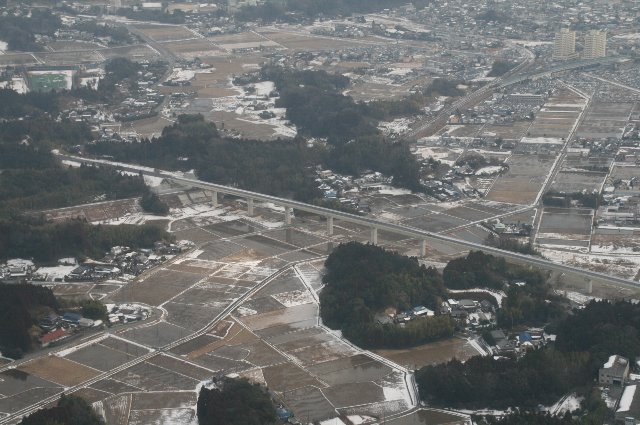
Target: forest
(235,402)
(584,341)
(32,237)
(17,302)
(362,280)
(70,410)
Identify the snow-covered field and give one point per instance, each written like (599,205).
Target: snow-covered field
(625,266)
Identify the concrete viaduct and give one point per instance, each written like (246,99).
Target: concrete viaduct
(375,226)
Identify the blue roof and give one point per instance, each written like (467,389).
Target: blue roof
(525,337)
(283,413)
(72,317)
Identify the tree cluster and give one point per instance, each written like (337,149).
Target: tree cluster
(540,377)
(71,410)
(19,31)
(279,167)
(235,402)
(509,243)
(565,200)
(362,280)
(315,103)
(500,67)
(15,105)
(177,17)
(46,242)
(529,298)
(17,302)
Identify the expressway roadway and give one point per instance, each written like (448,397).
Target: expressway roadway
(374,225)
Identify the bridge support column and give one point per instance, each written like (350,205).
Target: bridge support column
(374,236)
(250,207)
(330,226)
(287,215)
(214,198)
(589,286)
(423,248)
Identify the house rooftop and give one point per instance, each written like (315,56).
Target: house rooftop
(616,364)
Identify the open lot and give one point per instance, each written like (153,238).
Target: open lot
(59,370)
(165,32)
(605,119)
(432,353)
(565,227)
(523,181)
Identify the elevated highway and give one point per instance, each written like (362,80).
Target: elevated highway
(424,237)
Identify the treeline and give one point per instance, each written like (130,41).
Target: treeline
(235,402)
(71,410)
(16,304)
(566,200)
(364,280)
(19,31)
(540,377)
(46,242)
(290,10)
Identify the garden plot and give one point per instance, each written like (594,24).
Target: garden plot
(431,354)
(26,398)
(164,33)
(99,356)
(557,116)
(59,370)
(430,417)
(156,335)
(149,377)
(605,119)
(512,131)
(578,181)
(158,287)
(524,180)
(569,227)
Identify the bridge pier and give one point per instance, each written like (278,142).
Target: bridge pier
(214,198)
(287,215)
(423,248)
(374,236)
(589,286)
(250,207)
(330,226)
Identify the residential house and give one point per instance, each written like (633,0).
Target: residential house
(614,372)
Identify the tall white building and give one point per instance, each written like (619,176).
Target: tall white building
(564,45)
(595,44)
